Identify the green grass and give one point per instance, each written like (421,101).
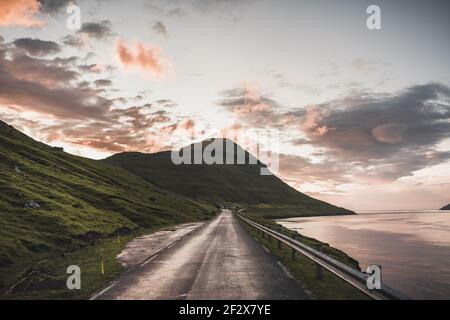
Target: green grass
(82,202)
(304,270)
(49,282)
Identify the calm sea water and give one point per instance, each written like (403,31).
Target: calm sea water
(412,247)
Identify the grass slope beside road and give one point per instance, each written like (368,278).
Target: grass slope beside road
(82,202)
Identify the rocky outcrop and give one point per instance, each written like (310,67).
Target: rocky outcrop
(31,204)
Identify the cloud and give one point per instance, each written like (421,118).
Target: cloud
(51,72)
(382,136)
(160,29)
(103,83)
(95,68)
(52,6)
(137,128)
(48,86)
(377,125)
(166,103)
(187,124)
(391,135)
(96,30)
(74,41)
(367,65)
(298,170)
(58,104)
(37,47)
(391,132)
(20,13)
(181,7)
(146,58)
(252,107)
(131,129)
(282,81)
(99,30)
(310,122)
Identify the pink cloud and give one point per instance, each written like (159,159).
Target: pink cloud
(188,124)
(311,122)
(20,13)
(253,102)
(147,58)
(390,133)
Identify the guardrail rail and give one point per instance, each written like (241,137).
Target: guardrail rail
(354,277)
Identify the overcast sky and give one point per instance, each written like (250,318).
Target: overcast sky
(363,115)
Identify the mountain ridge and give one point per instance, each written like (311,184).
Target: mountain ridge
(232,183)
(52,201)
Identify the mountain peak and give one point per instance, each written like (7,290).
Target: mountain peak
(221,182)
(218,151)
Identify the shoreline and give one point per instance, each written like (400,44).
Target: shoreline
(391,240)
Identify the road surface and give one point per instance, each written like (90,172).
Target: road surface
(220,261)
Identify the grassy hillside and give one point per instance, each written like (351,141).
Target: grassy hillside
(233,183)
(80,201)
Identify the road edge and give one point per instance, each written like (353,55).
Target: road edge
(110,285)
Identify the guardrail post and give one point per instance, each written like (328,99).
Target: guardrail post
(293,254)
(279,245)
(319,273)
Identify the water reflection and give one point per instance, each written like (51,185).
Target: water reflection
(413,247)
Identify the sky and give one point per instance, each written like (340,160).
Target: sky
(362,116)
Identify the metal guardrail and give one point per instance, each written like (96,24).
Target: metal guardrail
(354,277)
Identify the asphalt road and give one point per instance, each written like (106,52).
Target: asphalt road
(219,261)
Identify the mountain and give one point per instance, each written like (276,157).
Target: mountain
(233,183)
(447,207)
(51,201)
(57,208)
